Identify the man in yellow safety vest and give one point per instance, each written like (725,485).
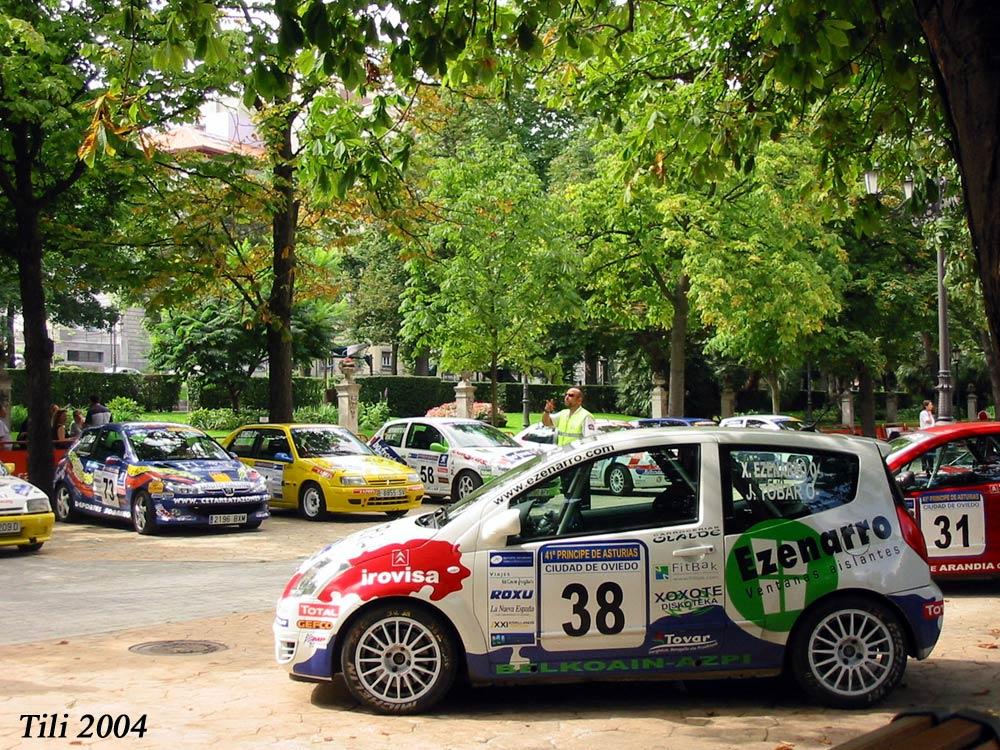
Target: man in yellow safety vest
(571,423)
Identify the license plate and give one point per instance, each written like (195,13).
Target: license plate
(400,492)
(224,518)
(10,527)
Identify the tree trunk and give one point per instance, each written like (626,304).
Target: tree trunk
(678,337)
(993,365)
(963,39)
(589,368)
(279,328)
(9,336)
(394,358)
(422,363)
(774,383)
(867,401)
(37,352)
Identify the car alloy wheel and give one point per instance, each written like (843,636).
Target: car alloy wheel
(466,483)
(64,510)
(143,513)
(619,481)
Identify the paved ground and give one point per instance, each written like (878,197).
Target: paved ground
(67,628)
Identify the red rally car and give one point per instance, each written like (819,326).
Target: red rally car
(950,475)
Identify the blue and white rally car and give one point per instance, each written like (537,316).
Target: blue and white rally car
(157,475)
(761,552)
(453,456)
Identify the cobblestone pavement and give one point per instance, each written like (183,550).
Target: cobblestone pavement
(221,587)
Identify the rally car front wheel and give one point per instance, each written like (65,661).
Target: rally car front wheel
(466,482)
(63,507)
(849,652)
(143,513)
(398,659)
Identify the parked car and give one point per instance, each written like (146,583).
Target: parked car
(322,468)
(157,474)
(765,422)
(764,551)
(544,438)
(26,518)
(452,456)
(673,422)
(950,475)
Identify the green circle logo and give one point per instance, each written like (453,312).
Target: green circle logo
(775,570)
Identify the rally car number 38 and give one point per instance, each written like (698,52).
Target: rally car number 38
(753,547)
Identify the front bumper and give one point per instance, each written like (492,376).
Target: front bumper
(306,653)
(214,511)
(366,499)
(34,528)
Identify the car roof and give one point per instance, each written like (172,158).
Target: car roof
(438,420)
(264,425)
(626,439)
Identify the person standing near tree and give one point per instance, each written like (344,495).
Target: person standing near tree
(927,415)
(76,428)
(573,422)
(4,427)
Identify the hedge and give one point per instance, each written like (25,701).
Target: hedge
(305,392)
(154,392)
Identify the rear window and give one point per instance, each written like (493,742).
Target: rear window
(761,484)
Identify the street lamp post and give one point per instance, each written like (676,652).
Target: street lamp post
(945,412)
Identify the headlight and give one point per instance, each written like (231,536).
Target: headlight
(352,481)
(413,477)
(39,505)
(311,580)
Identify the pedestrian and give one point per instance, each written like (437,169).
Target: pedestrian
(76,427)
(97,413)
(927,415)
(573,422)
(4,427)
(59,425)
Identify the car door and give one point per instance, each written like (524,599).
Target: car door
(269,444)
(625,583)
(109,467)
(955,496)
(416,450)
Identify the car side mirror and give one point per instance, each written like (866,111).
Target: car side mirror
(497,528)
(439,447)
(283,457)
(113,461)
(906,480)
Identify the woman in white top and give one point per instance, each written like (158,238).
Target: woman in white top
(927,415)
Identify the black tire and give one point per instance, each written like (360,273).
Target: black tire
(143,514)
(848,652)
(394,514)
(467,481)
(423,652)
(30,547)
(619,480)
(312,502)
(62,504)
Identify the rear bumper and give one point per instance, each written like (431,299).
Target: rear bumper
(923,609)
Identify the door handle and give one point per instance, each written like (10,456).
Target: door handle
(704,549)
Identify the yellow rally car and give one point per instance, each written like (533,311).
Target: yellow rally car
(25,514)
(321,468)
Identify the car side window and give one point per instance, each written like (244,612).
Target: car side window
(585,500)
(755,423)
(393,434)
(956,463)
(760,484)
(422,435)
(109,443)
(272,442)
(86,445)
(243,443)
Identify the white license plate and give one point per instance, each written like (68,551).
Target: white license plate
(400,492)
(227,518)
(10,527)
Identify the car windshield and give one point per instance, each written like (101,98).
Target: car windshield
(903,441)
(174,444)
(478,435)
(790,424)
(443,515)
(313,442)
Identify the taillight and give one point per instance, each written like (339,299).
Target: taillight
(911,532)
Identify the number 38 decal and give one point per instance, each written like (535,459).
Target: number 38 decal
(609,617)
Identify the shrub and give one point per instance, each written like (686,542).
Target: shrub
(372,416)
(220,419)
(322,414)
(481,410)
(124,409)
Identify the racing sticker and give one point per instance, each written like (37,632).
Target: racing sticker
(512,606)
(593,595)
(104,487)
(953,524)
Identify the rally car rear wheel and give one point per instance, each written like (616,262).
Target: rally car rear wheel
(398,659)
(312,502)
(465,482)
(143,513)
(849,652)
(63,507)
(619,480)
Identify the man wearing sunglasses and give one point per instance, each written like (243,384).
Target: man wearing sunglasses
(573,422)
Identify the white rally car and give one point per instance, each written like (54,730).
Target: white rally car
(453,456)
(26,517)
(763,552)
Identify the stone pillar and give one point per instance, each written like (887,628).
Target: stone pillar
(972,402)
(727,407)
(847,408)
(347,397)
(891,407)
(658,398)
(465,397)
